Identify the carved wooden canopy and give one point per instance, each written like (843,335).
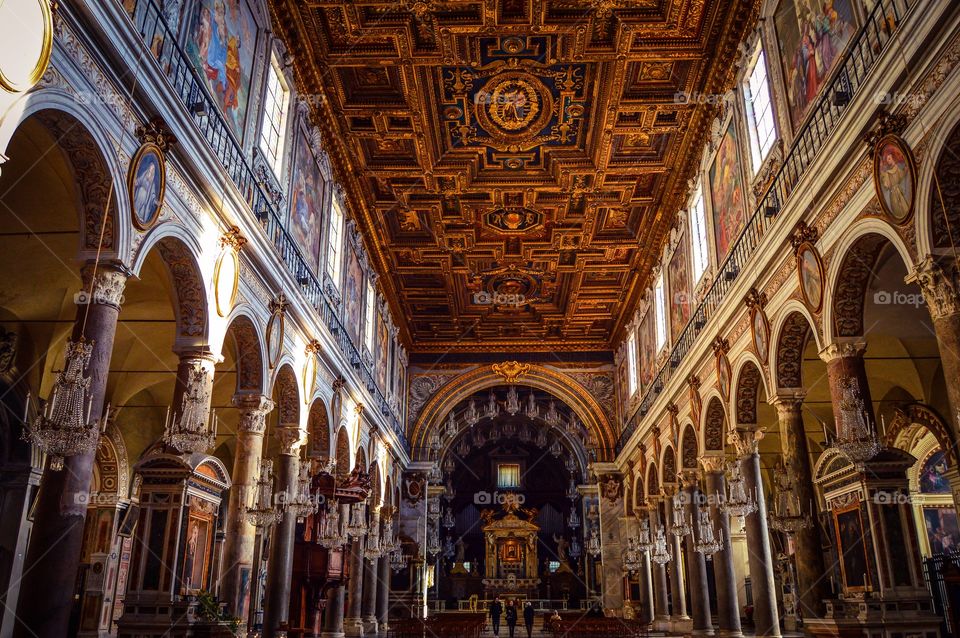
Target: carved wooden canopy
(514,165)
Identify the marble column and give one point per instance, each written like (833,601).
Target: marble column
(696,562)
(241,536)
(371,573)
(661,589)
(766,620)
(677,584)
(353,625)
(280,568)
(844,359)
(725,576)
(53,554)
(646,586)
(333,614)
(383,594)
(812,587)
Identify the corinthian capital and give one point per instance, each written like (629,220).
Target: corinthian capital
(843,349)
(254,409)
(290,438)
(940,284)
(103,283)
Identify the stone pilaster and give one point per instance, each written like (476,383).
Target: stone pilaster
(241,535)
(280,568)
(53,555)
(725,576)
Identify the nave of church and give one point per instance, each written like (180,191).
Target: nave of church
(479,318)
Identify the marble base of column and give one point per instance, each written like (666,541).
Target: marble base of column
(280,568)
(766,620)
(53,554)
(725,576)
(697,570)
(333,614)
(383,595)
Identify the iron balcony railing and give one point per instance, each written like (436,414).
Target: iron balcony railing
(187,85)
(864,49)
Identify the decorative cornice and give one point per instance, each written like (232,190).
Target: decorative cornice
(755,299)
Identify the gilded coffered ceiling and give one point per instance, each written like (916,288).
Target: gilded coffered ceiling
(514,165)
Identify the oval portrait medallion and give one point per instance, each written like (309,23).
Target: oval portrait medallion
(513,105)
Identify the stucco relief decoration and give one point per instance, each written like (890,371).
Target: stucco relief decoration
(191,299)
(693,394)
(612,487)
(511,371)
(793,339)
(414,484)
(714,426)
(855,274)
(249,360)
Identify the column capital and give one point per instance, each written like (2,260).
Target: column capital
(690,478)
(290,438)
(788,400)
(713,463)
(254,409)
(746,440)
(843,348)
(940,286)
(103,283)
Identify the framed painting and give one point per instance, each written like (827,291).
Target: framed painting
(648,355)
(353,293)
(812,37)
(383,349)
(196,554)
(221,43)
(943,529)
(724,375)
(895,178)
(854,567)
(274,338)
(726,193)
(678,276)
(933,474)
(810,272)
(760,333)
(307,189)
(146,182)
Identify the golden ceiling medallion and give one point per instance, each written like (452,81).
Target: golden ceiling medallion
(511,371)
(513,106)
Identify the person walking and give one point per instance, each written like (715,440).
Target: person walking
(528,614)
(511,617)
(496,608)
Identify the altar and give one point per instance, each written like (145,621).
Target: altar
(510,564)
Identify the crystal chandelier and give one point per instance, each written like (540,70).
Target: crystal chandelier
(707,543)
(552,417)
(303,503)
(680,526)
(532,411)
(357,526)
(63,427)
(448,549)
(509,429)
(787,515)
(264,514)
(573,522)
(187,431)
(448,521)
(493,407)
(631,557)
(525,435)
(331,531)
(471,416)
(451,430)
(572,492)
(478,439)
(575,550)
(661,554)
(435,476)
(513,401)
(541,440)
(555,448)
(448,465)
(856,438)
(569,463)
(398,560)
(573,427)
(374,546)
(738,501)
(433,542)
(644,541)
(593,544)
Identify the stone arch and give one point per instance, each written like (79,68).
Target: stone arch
(342,453)
(653,480)
(937,229)
(180,253)
(639,494)
(849,276)
(287,396)
(794,328)
(689,448)
(90,153)
(376,494)
(714,425)
(588,410)
(749,383)
(360,459)
(110,470)
(388,496)
(248,349)
(668,465)
(914,415)
(318,430)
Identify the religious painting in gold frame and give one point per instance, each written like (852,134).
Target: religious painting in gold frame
(895,177)
(274,338)
(226,280)
(146,184)
(196,552)
(810,274)
(510,551)
(760,333)
(854,563)
(724,375)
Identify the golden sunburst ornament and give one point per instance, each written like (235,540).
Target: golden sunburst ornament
(511,371)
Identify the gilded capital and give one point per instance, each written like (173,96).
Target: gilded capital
(940,287)
(713,463)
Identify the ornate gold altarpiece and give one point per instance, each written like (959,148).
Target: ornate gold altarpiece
(510,565)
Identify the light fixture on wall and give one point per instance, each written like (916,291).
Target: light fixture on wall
(680,526)
(304,503)
(357,526)
(189,430)
(856,438)
(644,539)
(661,554)
(738,502)
(263,513)
(331,528)
(707,543)
(64,426)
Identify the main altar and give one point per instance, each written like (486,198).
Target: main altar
(510,565)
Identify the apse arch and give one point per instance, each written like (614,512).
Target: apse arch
(435,411)
(850,272)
